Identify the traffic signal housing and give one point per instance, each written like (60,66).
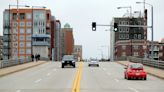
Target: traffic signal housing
(93,26)
(115,27)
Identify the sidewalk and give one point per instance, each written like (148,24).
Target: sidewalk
(13,69)
(150,70)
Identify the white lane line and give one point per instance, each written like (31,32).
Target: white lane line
(116,80)
(54,69)
(38,80)
(18,90)
(48,74)
(104,69)
(135,90)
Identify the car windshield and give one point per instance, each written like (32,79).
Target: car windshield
(68,57)
(136,66)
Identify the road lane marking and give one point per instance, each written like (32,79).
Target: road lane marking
(38,80)
(76,84)
(104,69)
(48,74)
(116,80)
(133,89)
(54,69)
(18,90)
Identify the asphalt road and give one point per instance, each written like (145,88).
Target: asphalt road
(50,77)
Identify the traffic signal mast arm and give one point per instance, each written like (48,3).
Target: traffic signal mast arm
(126,25)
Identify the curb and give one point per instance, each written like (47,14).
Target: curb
(21,69)
(147,72)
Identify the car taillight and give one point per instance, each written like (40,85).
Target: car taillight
(130,71)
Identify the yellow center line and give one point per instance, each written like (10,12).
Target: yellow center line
(76,84)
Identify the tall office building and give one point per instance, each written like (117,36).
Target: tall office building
(27,34)
(128,41)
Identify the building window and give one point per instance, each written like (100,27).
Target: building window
(28,24)
(48,16)
(135,53)
(135,47)
(14,17)
(6,31)
(22,31)
(28,30)
(135,36)
(28,51)
(28,44)
(15,31)
(15,24)
(28,38)
(28,16)
(139,36)
(21,51)
(161,47)
(22,24)
(21,38)
(160,54)
(22,16)
(123,47)
(127,30)
(120,30)
(127,36)
(21,44)
(123,53)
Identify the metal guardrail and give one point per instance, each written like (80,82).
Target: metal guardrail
(7,63)
(148,62)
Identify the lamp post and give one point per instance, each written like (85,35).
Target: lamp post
(127,7)
(33,25)
(152,33)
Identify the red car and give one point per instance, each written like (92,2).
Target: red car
(135,71)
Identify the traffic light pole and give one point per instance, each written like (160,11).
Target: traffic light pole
(116,27)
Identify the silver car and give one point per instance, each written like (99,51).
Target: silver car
(93,63)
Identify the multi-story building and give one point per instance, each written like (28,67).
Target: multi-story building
(57,41)
(136,49)
(67,40)
(27,34)
(78,52)
(128,36)
(53,43)
(1,47)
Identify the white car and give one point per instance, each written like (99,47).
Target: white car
(93,63)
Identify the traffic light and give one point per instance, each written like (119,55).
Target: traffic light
(93,26)
(115,27)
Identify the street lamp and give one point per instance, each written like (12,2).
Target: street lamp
(32,24)
(152,33)
(127,7)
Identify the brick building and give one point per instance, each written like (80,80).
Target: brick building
(135,48)
(67,40)
(29,34)
(128,37)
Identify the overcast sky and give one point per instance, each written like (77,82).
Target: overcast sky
(80,13)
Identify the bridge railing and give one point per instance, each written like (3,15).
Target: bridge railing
(12,62)
(148,62)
